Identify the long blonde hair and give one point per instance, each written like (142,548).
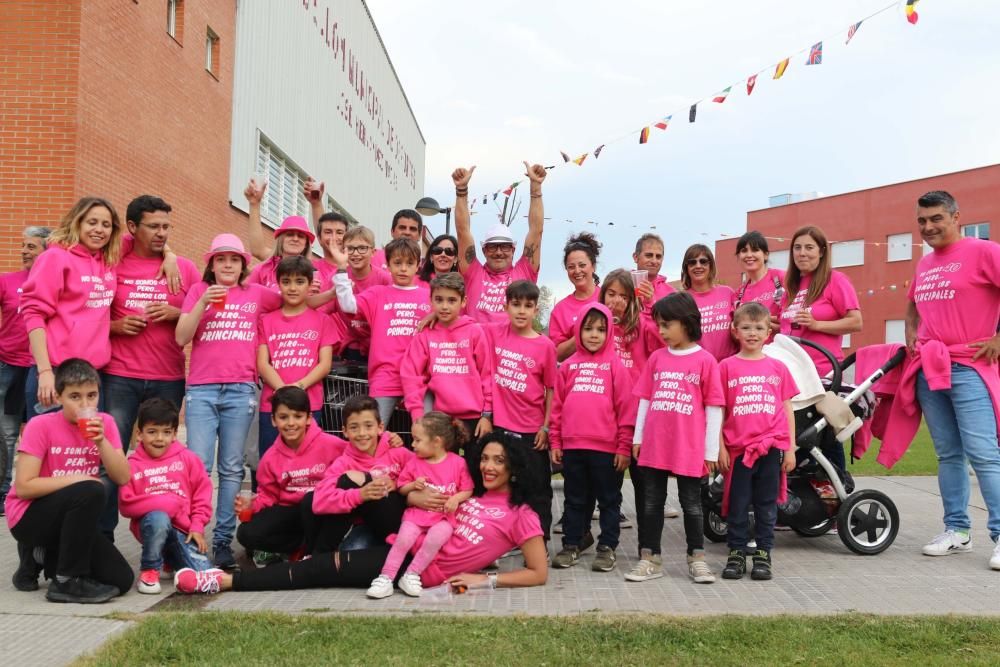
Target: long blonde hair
(67,234)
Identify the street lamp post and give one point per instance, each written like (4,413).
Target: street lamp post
(429,206)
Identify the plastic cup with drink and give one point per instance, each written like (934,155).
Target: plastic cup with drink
(219,303)
(246,498)
(83,419)
(379,473)
(639,276)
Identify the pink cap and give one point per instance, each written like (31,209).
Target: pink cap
(295,223)
(227,243)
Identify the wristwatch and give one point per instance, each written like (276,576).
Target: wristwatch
(487,414)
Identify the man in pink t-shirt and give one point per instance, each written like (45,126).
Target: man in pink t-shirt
(406,224)
(486,285)
(954,307)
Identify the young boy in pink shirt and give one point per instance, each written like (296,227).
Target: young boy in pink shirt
(524,378)
(758,433)
(392,312)
(449,367)
(296,345)
(289,470)
(168,497)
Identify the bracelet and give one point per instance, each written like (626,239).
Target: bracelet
(538,196)
(493,579)
(544,429)
(45,370)
(462,193)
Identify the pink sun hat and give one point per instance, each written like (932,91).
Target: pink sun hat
(295,223)
(227,243)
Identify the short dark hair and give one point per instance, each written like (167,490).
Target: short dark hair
(452,280)
(410,214)
(293,398)
(145,204)
(594,315)
(295,265)
(408,248)
(936,198)
(158,411)
(754,240)
(588,244)
(75,371)
(332,216)
(523,290)
(356,404)
(648,237)
(753,311)
(524,484)
(680,307)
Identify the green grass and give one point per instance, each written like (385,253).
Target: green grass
(214,638)
(919,459)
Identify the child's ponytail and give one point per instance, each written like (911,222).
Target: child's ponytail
(451,431)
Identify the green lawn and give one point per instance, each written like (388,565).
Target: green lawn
(919,459)
(277,639)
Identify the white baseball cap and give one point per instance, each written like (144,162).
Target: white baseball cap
(499,233)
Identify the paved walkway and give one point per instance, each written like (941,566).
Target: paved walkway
(813,576)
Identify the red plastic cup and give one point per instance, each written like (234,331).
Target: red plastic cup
(220,304)
(83,419)
(246,515)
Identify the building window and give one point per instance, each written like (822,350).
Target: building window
(847,253)
(778,259)
(212,53)
(980,230)
(175,19)
(895,331)
(900,247)
(285,181)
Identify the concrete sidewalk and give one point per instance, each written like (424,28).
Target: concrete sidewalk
(812,576)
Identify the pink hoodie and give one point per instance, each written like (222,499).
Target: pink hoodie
(286,475)
(69,294)
(175,483)
(328,499)
(453,362)
(593,407)
(14,348)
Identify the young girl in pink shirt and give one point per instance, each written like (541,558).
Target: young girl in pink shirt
(758,433)
(436,467)
(676,433)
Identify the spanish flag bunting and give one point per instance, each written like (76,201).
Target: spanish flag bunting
(597,151)
(751,82)
(693,112)
(662,124)
(579,161)
(721,97)
(911,11)
(565,157)
(644,135)
(779,71)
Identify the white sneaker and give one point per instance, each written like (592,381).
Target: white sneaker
(650,566)
(670,512)
(381,587)
(995,558)
(948,542)
(699,570)
(596,514)
(410,584)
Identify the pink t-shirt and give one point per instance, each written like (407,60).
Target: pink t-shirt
(449,477)
(661,288)
(768,291)
(14,347)
(486,291)
(378,260)
(957,292)
(634,347)
(487,528)
(153,354)
(359,334)
(716,308)
(224,348)
(755,391)
(563,316)
(523,368)
(393,314)
(837,298)
(62,450)
(678,387)
(293,344)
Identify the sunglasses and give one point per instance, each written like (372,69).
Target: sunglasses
(450,252)
(699,261)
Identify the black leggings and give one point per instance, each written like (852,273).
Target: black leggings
(65,524)
(277,528)
(325,532)
(651,509)
(356,570)
(541,467)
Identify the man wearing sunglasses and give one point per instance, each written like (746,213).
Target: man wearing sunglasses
(486,285)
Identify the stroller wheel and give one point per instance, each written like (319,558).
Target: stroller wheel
(868,521)
(821,528)
(715,527)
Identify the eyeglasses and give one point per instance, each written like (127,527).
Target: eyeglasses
(699,261)
(499,247)
(357,249)
(156,229)
(439,250)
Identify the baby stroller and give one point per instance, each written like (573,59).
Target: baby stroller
(821,494)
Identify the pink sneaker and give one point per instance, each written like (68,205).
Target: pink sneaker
(149,582)
(167,573)
(191,581)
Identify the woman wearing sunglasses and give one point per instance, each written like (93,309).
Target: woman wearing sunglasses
(442,257)
(715,302)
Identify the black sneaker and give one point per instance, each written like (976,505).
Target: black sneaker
(761,565)
(26,577)
(736,565)
(81,590)
(223,557)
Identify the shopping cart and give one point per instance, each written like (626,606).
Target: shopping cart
(347,379)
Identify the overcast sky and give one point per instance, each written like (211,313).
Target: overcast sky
(496,83)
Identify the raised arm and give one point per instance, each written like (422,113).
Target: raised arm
(463,225)
(536,216)
(313,192)
(254,192)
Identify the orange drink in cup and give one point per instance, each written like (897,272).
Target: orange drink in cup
(83,418)
(638,277)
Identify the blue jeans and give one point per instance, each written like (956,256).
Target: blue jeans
(162,542)
(755,486)
(963,428)
(267,433)
(590,474)
(10,427)
(221,412)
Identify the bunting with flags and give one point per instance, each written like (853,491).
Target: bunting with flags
(644,135)
(911,11)
(597,151)
(779,71)
(751,82)
(565,156)
(510,189)
(693,112)
(663,122)
(579,161)
(815,54)
(721,97)
(852,31)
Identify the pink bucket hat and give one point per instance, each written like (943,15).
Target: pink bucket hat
(227,243)
(295,223)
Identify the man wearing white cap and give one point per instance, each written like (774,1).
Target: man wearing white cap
(485,285)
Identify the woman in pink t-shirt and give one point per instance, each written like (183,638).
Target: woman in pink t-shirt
(442,258)
(496,519)
(580,259)
(715,302)
(761,284)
